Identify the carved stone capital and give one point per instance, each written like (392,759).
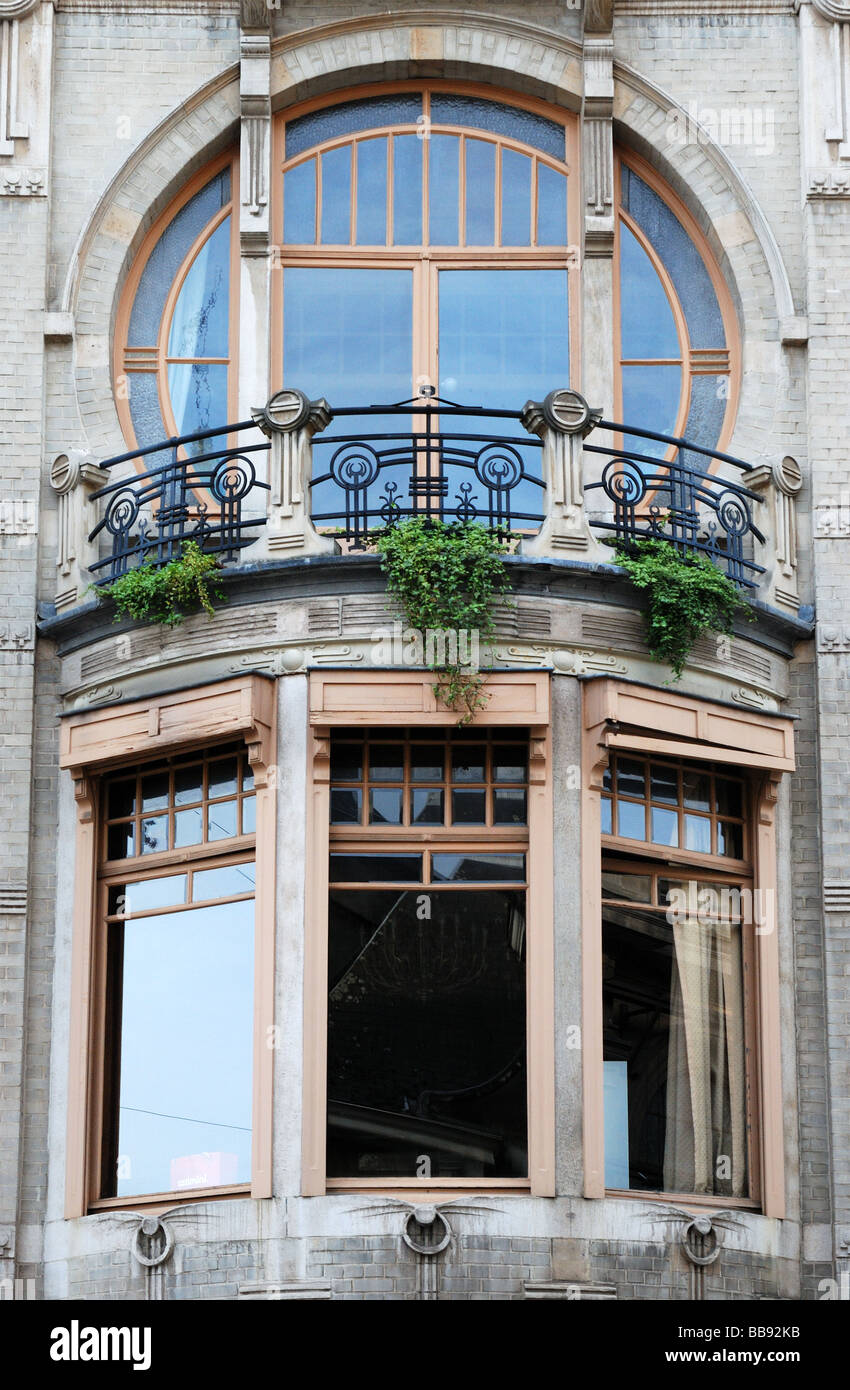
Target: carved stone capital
(290,419)
(562,421)
(836,10)
(289,410)
(74,477)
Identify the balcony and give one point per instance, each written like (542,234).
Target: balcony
(304,478)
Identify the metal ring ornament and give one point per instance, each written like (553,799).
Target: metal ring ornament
(142,1229)
(498,467)
(355,466)
(121,512)
(426,1216)
(624,482)
(733,515)
(703,1228)
(232,478)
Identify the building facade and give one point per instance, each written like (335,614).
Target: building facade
(310,990)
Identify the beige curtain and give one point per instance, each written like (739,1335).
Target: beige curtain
(706,1101)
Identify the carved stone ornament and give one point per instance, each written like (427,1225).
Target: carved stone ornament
(836,10)
(19,9)
(598,16)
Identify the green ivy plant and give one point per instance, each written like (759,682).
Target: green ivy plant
(687,595)
(163,595)
(447,575)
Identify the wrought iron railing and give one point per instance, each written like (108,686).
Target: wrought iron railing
(677,500)
(200,497)
(372,478)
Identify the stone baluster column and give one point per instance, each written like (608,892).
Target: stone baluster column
(563,421)
(290,420)
(779,483)
(74,477)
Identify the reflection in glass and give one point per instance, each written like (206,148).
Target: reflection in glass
(188,785)
(551,206)
(120,840)
(336,196)
(509,806)
(386,762)
(631,820)
(372,192)
(516,199)
(224,882)
(469,807)
(199,325)
(154,834)
(182,1042)
(647,326)
(443,1002)
(376,868)
(480,193)
(299,204)
(148,893)
(477,868)
(427,806)
(188,827)
(665,827)
(698,834)
(385,805)
(444,182)
(407,190)
(221,820)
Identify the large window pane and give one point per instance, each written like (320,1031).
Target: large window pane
(444,180)
(647,326)
(299,204)
(372,192)
(336,196)
(183,1044)
(426,1034)
(674,1054)
(480,193)
(516,199)
(407,190)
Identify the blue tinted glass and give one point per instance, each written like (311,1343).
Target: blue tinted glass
(336,196)
(709,399)
(350,117)
(680,258)
(443,193)
(198,398)
(516,199)
(500,119)
(372,192)
(348,336)
(167,257)
(651,398)
(648,328)
(185,1086)
(551,206)
(480,193)
(145,413)
(199,326)
(299,204)
(407,190)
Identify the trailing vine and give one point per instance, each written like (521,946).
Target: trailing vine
(164,595)
(687,595)
(447,576)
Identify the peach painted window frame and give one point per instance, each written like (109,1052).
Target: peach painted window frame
(104,740)
(395,699)
(620,715)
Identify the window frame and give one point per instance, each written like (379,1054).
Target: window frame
(406,700)
(108,740)
(645,721)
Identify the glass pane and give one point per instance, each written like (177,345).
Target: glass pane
(516,199)
(427,764)
(605,815)
(444,179)
(199,325)
(407,190)
(299,204)
(188,827)
(696,789)
(222,777)
(185,1085)
(155,792)
(346,762)
(376,868)
(167,257)
(647,326)
(247,774)
(692,899)
(385,806)
(145,412)
(651,396)
(120,840)
(249,815)
(631,777)
(121,799)
(501,119)
(444,998)
(336,196)
(386,762)
(477,868)
(188,785)
(480,193)
(198,395)
(349,117)
(510,806)
(510,764)
(148,894)
(226,882)
(665,827)
(709,399)
(698,834)
(468,807)
(631,820)
(372,192)
(551,206)
(673,1110)
(154,834)
(468,763)
(346,805)
(427,806)
(663,783)
(635,888)
(221,820)
(730,839)
(728,795)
